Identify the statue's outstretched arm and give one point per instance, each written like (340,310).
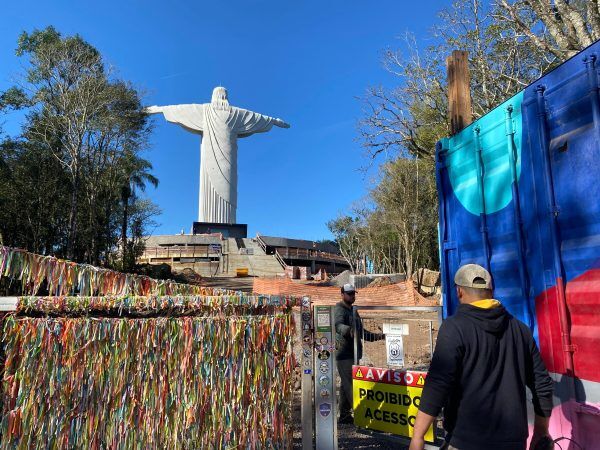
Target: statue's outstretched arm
(153,109)
(281,123)
(246,123)
(190,117)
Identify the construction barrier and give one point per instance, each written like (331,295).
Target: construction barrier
(388,400)
(397,347)
(397,294)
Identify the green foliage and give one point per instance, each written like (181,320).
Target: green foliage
(396,230)
(410,118)
(346,230)
(68,183)
(34,194)
(406,209)
(13,98)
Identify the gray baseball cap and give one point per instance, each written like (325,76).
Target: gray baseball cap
(347,288)
(473,276)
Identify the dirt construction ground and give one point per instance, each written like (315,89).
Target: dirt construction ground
(422,331)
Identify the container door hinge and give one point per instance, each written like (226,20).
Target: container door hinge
(449,245)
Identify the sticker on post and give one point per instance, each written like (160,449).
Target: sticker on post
(323,318)
(323,380)
(325,409)
(394,350)
(324,355)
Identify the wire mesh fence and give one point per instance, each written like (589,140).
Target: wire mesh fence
(418,331)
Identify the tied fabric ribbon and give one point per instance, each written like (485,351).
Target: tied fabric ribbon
(66,277)
(179,305)
(219,380)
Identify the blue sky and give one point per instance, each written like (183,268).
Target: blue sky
(305,62)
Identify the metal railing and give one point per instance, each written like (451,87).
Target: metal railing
(178,251)
(303,253)
(263,245)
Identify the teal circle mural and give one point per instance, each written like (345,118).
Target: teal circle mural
(461,159)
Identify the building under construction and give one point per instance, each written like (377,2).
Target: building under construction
(217,255)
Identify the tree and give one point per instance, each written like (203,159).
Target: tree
(33,197)
(82,142)
(394,231)
(136,173)
(510,44)
(409,119)
(78,113)
(406,204)
(345,229)
(141,220)
(561,27)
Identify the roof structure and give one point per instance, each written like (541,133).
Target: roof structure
(272,241)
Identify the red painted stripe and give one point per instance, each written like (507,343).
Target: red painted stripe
(583,325)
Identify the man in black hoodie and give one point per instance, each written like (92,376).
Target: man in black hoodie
(483,360)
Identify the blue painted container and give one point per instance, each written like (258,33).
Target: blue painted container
(519,194)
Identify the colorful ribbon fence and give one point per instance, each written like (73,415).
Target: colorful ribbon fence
(157,305)
(65,277)
(191,382)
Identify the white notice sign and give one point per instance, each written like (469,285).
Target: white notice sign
(396,328)
(394,350)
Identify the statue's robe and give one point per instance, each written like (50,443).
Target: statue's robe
(220,128)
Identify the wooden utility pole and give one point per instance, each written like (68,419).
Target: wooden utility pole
(459,92)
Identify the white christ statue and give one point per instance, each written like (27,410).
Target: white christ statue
(220,126)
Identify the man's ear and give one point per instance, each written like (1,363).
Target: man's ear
(459,292)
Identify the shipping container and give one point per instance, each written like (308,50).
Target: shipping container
(519,193)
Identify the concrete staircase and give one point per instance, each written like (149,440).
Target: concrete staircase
(259,264)
(252,244)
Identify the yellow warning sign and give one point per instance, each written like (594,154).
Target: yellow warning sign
(358,373)
(421,380)
(387,407)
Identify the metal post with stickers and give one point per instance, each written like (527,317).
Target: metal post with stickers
(319,421)
(307,415)
(324,380)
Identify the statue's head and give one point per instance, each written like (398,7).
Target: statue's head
(219,98)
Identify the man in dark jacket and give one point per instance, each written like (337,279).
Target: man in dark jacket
(483,360)
(344,340)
